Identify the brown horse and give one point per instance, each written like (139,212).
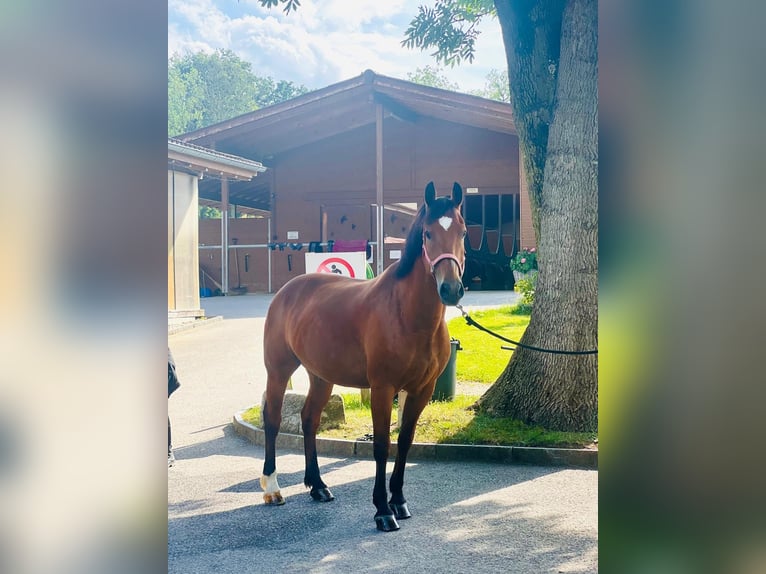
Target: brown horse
(387,334)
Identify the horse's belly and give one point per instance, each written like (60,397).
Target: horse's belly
(339,365)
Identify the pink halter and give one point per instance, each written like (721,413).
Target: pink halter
(441,257)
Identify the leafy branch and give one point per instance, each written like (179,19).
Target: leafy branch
(290,5)
(450,26)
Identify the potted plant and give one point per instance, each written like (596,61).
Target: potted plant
(524,264)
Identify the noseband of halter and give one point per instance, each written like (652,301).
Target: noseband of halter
(442,257)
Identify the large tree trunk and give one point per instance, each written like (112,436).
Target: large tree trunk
(560,391)
(532,36)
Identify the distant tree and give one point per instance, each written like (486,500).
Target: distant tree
(208,212)
(227,85)
(268,92)
(207,88)
(185,99)
(432,76)
(497,87)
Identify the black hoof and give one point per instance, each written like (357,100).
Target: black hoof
(386,523)
(322,494)
(400,510)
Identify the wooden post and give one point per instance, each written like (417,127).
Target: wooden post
(379,184)
(224,235)
(268,251)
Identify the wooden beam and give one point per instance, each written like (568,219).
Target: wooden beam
(397,110)
(225,235)
(276,139)
(379,184)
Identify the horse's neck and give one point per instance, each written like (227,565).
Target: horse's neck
(419,299)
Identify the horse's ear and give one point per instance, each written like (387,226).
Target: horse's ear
(457,194)
(430,193)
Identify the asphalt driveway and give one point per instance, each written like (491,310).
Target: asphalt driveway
(467,517)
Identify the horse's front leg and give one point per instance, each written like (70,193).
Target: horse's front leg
(381,400)
(413,406)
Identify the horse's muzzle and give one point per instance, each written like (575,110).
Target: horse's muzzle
(450,292)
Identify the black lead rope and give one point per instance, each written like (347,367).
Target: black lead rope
(472,322)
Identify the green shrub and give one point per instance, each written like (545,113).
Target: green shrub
(527,289)
(525,260)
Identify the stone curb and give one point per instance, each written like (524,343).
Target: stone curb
(541,456)
(189,325)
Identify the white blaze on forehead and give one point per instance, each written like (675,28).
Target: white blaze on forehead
(445,222)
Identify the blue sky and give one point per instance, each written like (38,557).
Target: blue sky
(324,42)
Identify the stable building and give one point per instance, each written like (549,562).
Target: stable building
(350,162)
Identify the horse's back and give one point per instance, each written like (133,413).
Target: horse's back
(315,293)
(318,318)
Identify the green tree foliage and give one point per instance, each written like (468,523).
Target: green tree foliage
(289,4)
(497,87)
(208,212)
(185,99)
(268,92)
(432,76)
(450,26)
(226,83)
(206,88)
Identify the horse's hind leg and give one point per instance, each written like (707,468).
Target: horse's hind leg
(272,419)
(319,394)
(413,406)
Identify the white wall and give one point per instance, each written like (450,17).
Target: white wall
(183,230)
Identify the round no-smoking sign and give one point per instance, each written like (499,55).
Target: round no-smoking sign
(336,265)
(345,264)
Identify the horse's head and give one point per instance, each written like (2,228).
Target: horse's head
(443,247)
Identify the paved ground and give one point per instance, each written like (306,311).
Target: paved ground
(466,517)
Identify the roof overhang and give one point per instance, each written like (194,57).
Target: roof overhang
(201,161)
(346,106)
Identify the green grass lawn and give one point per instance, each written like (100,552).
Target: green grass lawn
(482,360)
(450,422)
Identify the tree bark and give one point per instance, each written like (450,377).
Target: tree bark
(560,392)
(532,36)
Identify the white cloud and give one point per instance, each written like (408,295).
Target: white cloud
(351,15)
(323,42)
(178,43)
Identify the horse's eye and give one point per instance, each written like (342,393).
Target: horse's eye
(428,235)
(465,233)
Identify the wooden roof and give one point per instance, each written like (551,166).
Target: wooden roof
(265,133)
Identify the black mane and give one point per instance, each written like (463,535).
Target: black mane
(413,246)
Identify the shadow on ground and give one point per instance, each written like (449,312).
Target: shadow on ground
(457,526)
